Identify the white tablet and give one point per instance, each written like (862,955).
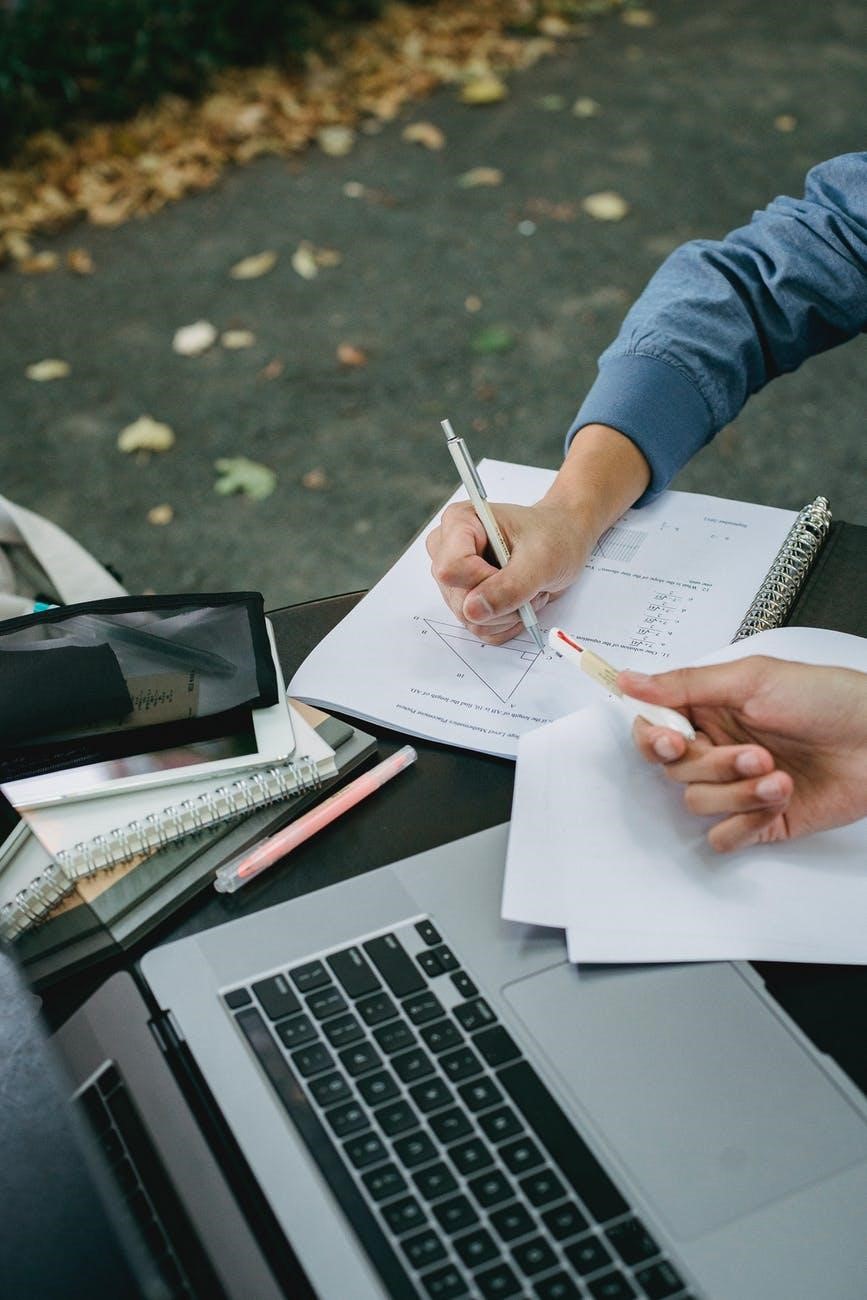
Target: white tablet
(264,737)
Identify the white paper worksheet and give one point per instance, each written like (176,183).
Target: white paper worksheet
(664,585)
(600,844)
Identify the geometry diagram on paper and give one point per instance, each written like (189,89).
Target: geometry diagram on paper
(501,668)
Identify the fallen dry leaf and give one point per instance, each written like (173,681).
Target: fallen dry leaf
(159,516)
(315,480)
(638,18)
(80,261)
(238,474)
(424,133)
(273,370)
(39,263)
(551,103)
(473,303)
(304,261)
(553,25)
(193,340)
(605,206)
(42,371)
(350,356)
(477,176)
(336,140)
(146,434)
(489,89)
(234,340)
(584,106)
(250,268)
(786,122)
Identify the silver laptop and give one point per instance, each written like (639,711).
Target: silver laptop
(413,1098)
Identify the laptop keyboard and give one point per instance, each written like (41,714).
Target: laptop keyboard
(457,1169)
(180,1268)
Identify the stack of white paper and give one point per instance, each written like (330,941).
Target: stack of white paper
(601,845)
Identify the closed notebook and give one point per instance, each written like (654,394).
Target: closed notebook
(85,836)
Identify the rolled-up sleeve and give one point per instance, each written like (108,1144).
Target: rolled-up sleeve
(719,319)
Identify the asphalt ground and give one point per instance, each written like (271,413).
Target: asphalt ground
(686,134)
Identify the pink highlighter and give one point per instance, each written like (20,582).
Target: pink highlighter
(236,873)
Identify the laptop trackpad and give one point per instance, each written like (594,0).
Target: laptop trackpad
(700,1090)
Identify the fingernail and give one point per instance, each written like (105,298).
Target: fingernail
(477,609)
(769,787)
(748,764)
(664,747)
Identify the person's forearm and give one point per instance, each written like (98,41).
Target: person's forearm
(602,475)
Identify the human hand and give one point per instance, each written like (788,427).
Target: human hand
(548,549)
(602,475)
(782,749)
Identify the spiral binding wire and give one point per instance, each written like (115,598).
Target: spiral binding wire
(787,574)
(32,904)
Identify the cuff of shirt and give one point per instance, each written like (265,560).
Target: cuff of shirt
(656,407)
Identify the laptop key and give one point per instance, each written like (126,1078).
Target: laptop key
(346,1119)
(444,1284)
(588,1254)
(565,1221)
(569,1151)
(470,1157)
(236,998)
(411,1066)
(476,1248)
(395,1117)
(447,959)
(404,1215)
(431,1094)
(326,1002)
(501,1124)
(521,1155)
(480,1094)
(498,1283)
(383,1182)
(428,931)
(455,1214)
(534,1256)
(360,1058)
(612,1286)
(366,1150)
(496,1046)
(424,1249)
(435,1180)
(557,1287)
(491,1189)
(450,1125)
(542,1187)
(342,1030)
(464,984)
(430,963)
(353,972)
(632,1241)
(275,997)
(295,1031)
(330,1088)
(376,1008)
(422,1007)
(460,1064)
(377,1088)
(394,965)
(441,1035)
(512,1221)
(312,1060)
(415,1149)
(474,1015)
(394,1037)
(659,1280)
(311,975)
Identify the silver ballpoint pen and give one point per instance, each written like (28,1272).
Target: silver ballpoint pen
(469,476)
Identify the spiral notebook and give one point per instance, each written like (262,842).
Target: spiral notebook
(87,836)
(664,585)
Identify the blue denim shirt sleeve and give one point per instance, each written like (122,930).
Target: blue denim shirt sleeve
(721,318)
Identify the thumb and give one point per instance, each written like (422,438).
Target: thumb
(502,591)
(729,685)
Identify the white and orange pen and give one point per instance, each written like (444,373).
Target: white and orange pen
(601,672)
(236,873)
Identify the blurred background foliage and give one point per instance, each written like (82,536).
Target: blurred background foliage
(64,63)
